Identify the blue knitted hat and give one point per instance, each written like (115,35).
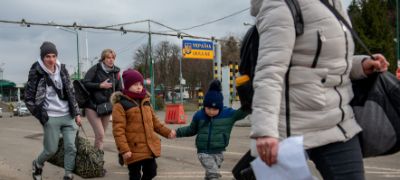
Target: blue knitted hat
(213,97)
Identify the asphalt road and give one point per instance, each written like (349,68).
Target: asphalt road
(21,142)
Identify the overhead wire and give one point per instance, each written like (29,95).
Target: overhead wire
(126,48)
(214,21)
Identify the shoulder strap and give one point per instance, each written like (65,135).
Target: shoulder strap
(294,8)
(60,92)
(344,21)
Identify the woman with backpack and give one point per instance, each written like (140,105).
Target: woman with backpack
(101,81)
(302,85)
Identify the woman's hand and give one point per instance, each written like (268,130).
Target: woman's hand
(267,148)
(127,155)
(378,65)
(105,84)
(78,120)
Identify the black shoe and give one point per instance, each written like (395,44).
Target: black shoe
(36,171)
(68,177)
(120,160)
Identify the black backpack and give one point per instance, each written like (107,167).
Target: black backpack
(248,62)
(249,54)
(82,95)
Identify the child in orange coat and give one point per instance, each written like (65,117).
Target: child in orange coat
(135,126)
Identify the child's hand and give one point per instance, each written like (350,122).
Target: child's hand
(127,155)
(172,134)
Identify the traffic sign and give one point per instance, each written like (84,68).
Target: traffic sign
(193,49)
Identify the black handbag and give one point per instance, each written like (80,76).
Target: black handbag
(242,169)
(376,106)
(104,109)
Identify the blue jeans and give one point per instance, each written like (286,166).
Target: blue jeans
(340,160)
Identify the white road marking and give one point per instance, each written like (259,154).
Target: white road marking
(183,174)
(381,168)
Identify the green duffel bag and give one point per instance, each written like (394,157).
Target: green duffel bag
(89,161)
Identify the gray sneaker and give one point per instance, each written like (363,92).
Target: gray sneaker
(36,171)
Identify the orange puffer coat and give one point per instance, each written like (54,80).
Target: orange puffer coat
(135,126)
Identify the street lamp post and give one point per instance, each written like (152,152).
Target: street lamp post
(152,98)
(77,48)
(398,33)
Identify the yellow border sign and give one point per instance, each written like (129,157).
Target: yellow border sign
(197,50)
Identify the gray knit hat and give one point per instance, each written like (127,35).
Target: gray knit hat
(47,48)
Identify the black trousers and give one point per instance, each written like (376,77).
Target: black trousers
(339,161)
(147,166)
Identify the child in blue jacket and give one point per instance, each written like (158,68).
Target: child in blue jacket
(212,125)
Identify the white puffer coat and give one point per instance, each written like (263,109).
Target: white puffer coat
(318,96)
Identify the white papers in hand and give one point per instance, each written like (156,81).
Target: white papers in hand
(291,163)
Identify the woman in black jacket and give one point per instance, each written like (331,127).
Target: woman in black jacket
(101,81)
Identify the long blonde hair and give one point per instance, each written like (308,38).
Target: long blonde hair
(106,52)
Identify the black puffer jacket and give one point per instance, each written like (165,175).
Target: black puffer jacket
(92,80)
(35,92)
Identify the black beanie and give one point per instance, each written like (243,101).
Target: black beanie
(213,97)
(47,48)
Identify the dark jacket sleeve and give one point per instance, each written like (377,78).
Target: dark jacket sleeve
(30,90)
(89,77)
(239,114)
(190,130)
(30,95)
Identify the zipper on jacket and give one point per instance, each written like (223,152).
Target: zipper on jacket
(341,77)
(340,107)
(347,67)
(209,135)
(320,39)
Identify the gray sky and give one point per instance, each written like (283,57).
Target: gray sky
(19,46)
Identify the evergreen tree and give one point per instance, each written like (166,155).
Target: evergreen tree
(372,21)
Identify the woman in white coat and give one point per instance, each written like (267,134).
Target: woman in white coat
(321,65)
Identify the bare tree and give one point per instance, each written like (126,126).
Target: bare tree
(230,50)
(167,64)
(140,58)
(198,73)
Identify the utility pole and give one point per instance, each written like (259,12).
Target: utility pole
(77,47)
(77,52)
(151,70)
(1,81)
(87,52)
(397,32)
(180,80)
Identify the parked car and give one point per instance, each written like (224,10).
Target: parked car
(21,110)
